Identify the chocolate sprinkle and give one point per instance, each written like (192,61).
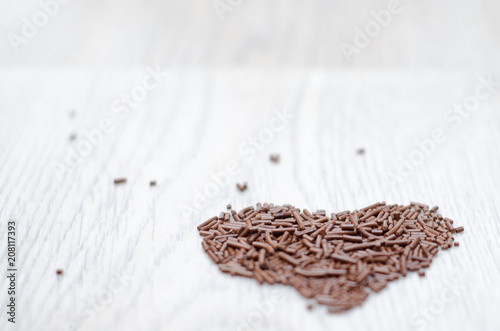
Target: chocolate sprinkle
(242,187)
(275,158)
(336,260)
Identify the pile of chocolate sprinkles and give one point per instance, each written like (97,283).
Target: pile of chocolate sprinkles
(336,260)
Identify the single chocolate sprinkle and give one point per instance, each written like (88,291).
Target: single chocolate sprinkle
(229,206)
(361,151)
(59,271)
(336,260)
(153,183)
(242,187)
(275,158)
(120,180)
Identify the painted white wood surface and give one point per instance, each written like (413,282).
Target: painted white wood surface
(132,257)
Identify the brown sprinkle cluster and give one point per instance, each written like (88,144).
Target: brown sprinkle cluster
(335,259)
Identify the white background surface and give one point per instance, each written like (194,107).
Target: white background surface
(132,257)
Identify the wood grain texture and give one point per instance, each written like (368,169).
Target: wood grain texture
(259,33)
(132,256)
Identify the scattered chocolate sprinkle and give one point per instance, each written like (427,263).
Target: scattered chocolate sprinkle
(275,158)
(153,183)
(456,244)
(229,206)
(59,271)
(120,180)
(361,151)
(242,187)
(336,260)
(310,307)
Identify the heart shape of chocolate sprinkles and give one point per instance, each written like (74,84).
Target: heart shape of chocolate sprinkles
(335,260)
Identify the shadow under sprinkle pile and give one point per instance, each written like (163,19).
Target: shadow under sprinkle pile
(335,260)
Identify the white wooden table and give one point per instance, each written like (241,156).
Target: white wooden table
(131,253)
